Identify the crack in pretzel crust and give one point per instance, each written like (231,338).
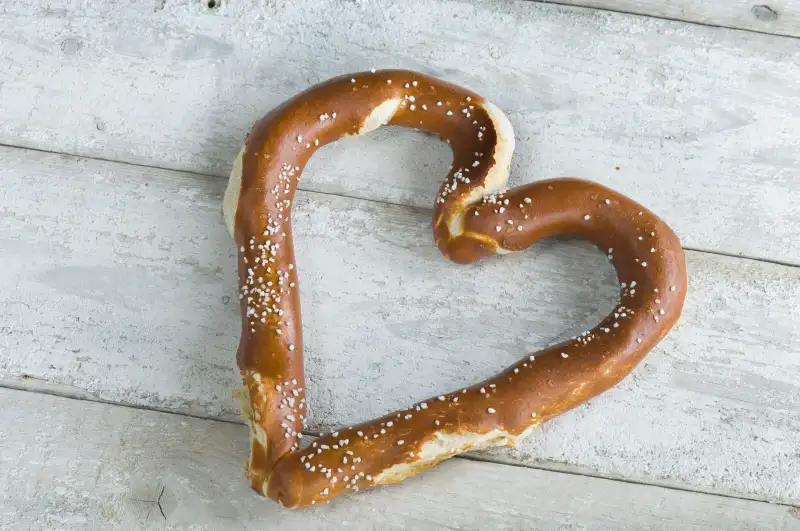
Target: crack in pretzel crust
(474,217)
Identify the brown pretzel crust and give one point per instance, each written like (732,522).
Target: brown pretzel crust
(473,218)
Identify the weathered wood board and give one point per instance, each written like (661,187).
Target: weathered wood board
(77,465)
(703,123)
(779,17)
(119,283)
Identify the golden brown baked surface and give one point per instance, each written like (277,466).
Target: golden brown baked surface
(474,217)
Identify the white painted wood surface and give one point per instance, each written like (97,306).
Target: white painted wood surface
(779,17)
(703,123)
(76,465)
(118,283)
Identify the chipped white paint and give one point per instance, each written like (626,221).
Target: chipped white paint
(703,123)
(95,467)
(119,283)
(780,17)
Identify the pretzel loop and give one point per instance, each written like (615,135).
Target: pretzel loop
(473,217)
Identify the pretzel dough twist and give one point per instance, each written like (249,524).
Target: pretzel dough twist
(473,218)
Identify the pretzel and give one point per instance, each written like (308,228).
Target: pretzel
(474,217)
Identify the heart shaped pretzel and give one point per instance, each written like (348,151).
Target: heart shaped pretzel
(474,217)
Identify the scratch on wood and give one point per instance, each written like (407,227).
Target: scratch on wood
(158,501)
(187,362)
(215,495)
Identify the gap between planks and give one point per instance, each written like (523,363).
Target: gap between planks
(300,187)
(611,477)
(791,520)
(99,466)
(619,7)
(195,199)
(45,388)
(636,93)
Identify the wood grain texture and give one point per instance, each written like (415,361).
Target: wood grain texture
(76,465)
(779,17)
(118,283)
(703,123)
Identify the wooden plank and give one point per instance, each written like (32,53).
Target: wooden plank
(700,123)
(81,465)
(778,17)
(118,283)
